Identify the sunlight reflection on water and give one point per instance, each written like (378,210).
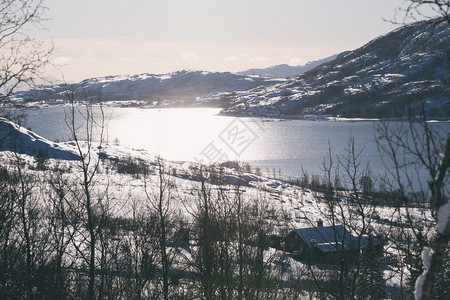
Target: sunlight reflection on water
(177,134)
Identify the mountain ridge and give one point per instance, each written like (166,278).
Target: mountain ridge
(177,88)
(285,70)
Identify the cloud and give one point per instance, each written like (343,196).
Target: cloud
(246,56)
(231,58)
(190,56)
(295,61)
(237,57)
(290,59)
(131,59)
(258,58)
(62,60)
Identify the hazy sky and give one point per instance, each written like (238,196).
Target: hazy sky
(110,37)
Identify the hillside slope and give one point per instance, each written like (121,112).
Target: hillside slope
(14,138)
(385,78)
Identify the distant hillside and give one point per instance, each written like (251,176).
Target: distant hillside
(387,77)
(287,70)
(177,87)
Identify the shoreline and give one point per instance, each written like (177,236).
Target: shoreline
(284,117)
(328,118)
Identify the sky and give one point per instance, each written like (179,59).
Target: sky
(114,37)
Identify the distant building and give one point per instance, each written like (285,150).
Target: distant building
(327,244)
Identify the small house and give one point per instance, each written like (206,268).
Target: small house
(327,244)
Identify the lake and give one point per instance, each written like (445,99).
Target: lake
(200,134)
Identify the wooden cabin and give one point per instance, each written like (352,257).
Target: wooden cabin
(328,244)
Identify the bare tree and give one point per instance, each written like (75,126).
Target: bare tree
(419,9)
(22,58)
(160,198)
(425,171)
(349,214)
(207,232)
(58,215)
(87,133)
(7,218)
(231,228)
(139,253)
(420,155)
(22,191)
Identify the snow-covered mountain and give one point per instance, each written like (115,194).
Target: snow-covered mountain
(285,70)
(386,77)
(184,86)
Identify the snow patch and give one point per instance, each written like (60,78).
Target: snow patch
(443,217)
(426,259)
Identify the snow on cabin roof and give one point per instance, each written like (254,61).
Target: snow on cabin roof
(327,238)
(333,238)
(329,246)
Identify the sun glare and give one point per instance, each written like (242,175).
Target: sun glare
(168,132)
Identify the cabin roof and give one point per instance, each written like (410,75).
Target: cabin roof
(326,238)
(332,238)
